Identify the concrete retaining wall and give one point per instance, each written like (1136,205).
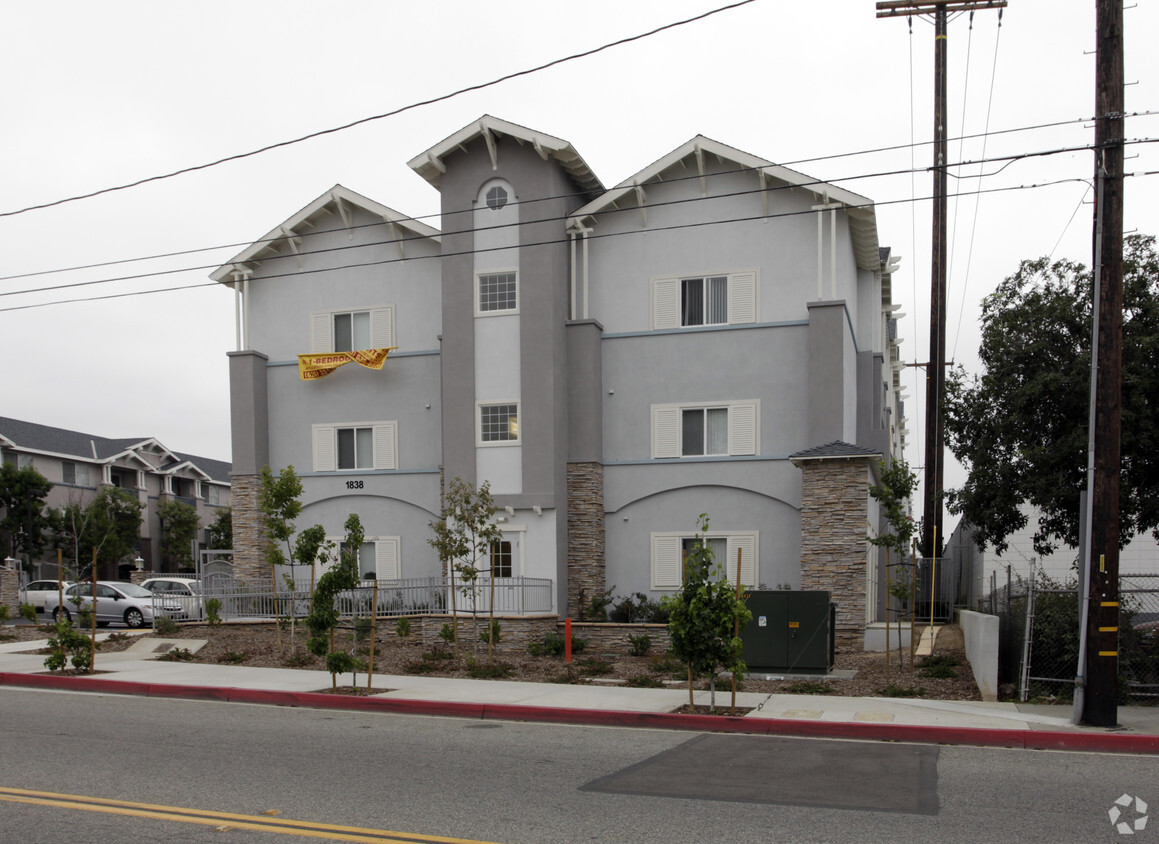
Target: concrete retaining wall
(981,634)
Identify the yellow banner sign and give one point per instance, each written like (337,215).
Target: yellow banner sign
(311,367)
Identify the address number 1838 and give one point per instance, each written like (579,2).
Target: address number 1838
(354,484)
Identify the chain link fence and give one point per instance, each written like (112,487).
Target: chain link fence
(1038,624)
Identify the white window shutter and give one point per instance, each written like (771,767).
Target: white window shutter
(665,303)
(321,333)
(742,428)
(325,459)
(665,432)
(747,543)
(742,298)
(386,564)
(386,445)
(666,562)
(381,328)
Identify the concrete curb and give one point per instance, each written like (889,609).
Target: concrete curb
(1105,742)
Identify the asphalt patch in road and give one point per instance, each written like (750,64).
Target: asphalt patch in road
(897,778)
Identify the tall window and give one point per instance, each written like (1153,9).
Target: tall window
(355,448)
(352,331)
(366,559)
(704,301)
(704,431)
(498,292)
(498,423)
(501,559)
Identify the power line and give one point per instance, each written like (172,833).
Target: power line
(595,236)
(404,240)
(393,113)
(877,174)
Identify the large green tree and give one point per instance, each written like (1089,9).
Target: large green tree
(1020,427)
(22,494)
(180,523)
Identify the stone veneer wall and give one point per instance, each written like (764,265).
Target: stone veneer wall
(10,590)
(585,534)
(249,553)
(834,527)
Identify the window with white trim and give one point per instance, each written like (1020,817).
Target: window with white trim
(501,558)
(691,301)
(499,423)
(378,558)
(213,495)
(74,473)
(670,548)
(497,293)
(705,430)
(352,330)
(353,446)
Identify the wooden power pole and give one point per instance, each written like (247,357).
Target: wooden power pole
(1100,708)
(936,369)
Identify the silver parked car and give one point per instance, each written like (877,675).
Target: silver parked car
(38,591)
(184,591)
(117,603)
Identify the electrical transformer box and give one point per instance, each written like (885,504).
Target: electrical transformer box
(789,632)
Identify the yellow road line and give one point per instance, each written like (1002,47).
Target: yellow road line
(206,817)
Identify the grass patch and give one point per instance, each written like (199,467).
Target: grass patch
(810,687)
(894,690)
(938,661)
(939,672)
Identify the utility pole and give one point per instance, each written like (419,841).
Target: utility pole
(936,371)
(1100,708)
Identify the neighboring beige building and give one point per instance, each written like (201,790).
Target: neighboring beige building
(79,464)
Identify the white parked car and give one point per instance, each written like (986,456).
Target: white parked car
(117,603)
(180,590)
(38,591)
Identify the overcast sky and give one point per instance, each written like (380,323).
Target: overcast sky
(98,95)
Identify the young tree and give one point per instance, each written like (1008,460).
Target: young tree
(180,523)
(221,530)
(893,493)
(703,615)
(22,494)
(463,537)
(1020,428)
(323,616)
(280,504)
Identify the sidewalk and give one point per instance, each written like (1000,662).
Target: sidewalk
(136,671)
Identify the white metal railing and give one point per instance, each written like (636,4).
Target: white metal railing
(409,597)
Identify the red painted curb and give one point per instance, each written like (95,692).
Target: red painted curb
(1107,742)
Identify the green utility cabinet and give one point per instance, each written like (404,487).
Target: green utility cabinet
(789,632)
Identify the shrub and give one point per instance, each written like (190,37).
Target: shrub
(494,632)
(938,661)
(894,690)
(638,609)
(435,654)
(810,687)
(213,611)
(598,608)
(298,659)
(422,666)
(118,637)
(482,671)
(340,662)
(28,613)
(176,655)
(940,672)
(447,634)
(594,667)
(165,626)
(66,644)
(363,625)
(235,658)
(402,627)
(639,645)
(3,612)
(645,681)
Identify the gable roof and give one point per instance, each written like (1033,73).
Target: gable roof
(18,434)
(332,202)
(862,218)
(430,164)
(836,450)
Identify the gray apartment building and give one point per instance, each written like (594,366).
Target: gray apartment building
(614,362)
